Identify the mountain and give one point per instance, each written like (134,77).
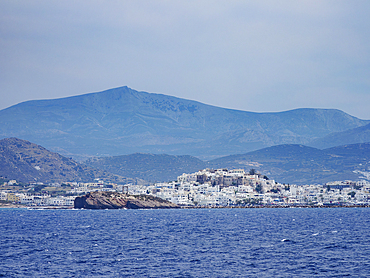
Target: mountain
(150,167)
(300,164)
(352,136)
(289,163)
(123,121)
(27,162)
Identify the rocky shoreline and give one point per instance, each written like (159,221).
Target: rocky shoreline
(113,200)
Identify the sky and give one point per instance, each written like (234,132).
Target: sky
(260,56)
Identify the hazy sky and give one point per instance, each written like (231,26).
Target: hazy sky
(262,56)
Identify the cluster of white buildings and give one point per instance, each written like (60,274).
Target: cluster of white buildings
(45,199)
(224,187)
(37,200)
(212,188)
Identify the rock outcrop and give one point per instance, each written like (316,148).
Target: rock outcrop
(113,200)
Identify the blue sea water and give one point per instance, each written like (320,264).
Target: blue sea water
(291,242)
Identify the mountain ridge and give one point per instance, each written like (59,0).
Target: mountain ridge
(125,121)
(352,136)
(299,164)
(289,163)
(150,167)
(28,162)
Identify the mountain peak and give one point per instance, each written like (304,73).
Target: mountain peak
(123,121)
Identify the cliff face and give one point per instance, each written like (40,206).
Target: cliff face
(113,200)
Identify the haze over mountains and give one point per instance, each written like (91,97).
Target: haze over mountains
(352,136)
(124,121)
(28,162)
(291,164)
(150,167)
(139,135)
(300,164)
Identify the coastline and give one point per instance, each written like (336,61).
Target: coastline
(278,206)
(11,205)
(20,206)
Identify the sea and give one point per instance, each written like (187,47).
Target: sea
(253,242)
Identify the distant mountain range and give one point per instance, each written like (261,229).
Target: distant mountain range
(352,136)
(291,164)
(124,121)
(150,167)
(298,164)
(157,137)
(27,162)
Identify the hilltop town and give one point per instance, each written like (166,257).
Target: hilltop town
(223,187)
(205,188)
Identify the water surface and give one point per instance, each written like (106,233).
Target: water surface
(291,242)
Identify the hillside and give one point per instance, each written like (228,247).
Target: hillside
(124,121)
(352,136)
(27,162)
(150,167)
(300,164)
(290,163)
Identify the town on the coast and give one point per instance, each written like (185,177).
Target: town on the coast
(205,188)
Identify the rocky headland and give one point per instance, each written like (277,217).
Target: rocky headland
(114,200)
